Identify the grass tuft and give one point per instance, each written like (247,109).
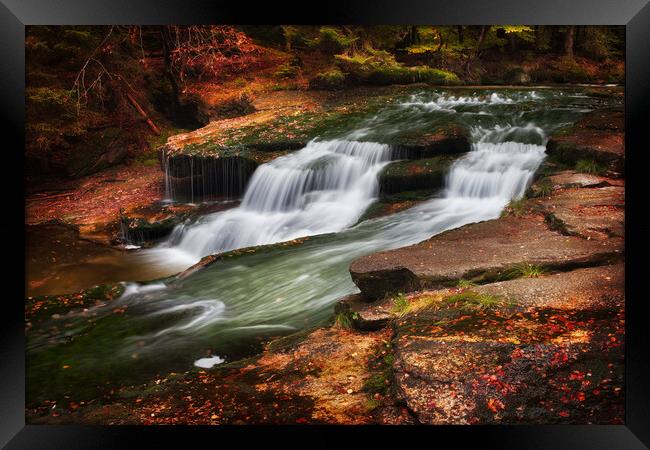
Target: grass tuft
(473,300)
(401,304)
(590,166)
(524,270)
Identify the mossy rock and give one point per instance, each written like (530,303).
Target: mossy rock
(422,174)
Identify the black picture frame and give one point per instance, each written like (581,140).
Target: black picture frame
(634,14)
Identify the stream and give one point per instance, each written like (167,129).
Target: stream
(227,310)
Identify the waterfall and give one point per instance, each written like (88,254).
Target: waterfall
(323,188)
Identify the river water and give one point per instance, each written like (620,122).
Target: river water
(225,311)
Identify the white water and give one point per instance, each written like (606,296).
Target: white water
(322,188)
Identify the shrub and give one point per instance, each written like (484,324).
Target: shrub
(379,67)
(330,40)
(329,80)
(286,71)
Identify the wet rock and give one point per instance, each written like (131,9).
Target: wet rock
(422,174)
(146,225)
(599,136)
(451,140)
(482,251)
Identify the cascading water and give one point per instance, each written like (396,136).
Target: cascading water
(322,188)
(223,311)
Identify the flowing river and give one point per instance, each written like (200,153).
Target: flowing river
(226,310)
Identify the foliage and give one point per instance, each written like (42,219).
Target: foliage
(380,67)
(329,80)
(345,319)
(332,40)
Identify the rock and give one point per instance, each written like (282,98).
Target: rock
(591,288)
(451,140)
(593,213)
(145,225)
(480,251)
(422,174)
(570,179)
(366,316)
(554,357)
(599,136)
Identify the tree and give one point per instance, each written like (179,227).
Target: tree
(568,41)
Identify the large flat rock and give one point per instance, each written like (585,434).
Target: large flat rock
(599,136)
(480,251)
(596,213)
(555,356)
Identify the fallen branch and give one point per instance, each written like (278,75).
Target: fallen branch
(137,106)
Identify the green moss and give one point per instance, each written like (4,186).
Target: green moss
(523,270)
(380,366)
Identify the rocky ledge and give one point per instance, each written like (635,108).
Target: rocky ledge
(545,233)
(596,142)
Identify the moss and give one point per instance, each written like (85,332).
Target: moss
(330,40)
(465,284)
(285,71)
(380,366)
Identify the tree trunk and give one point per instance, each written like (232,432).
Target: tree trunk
(414,36)
(568,41)
(479,43)
(169,72)
(461,37)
